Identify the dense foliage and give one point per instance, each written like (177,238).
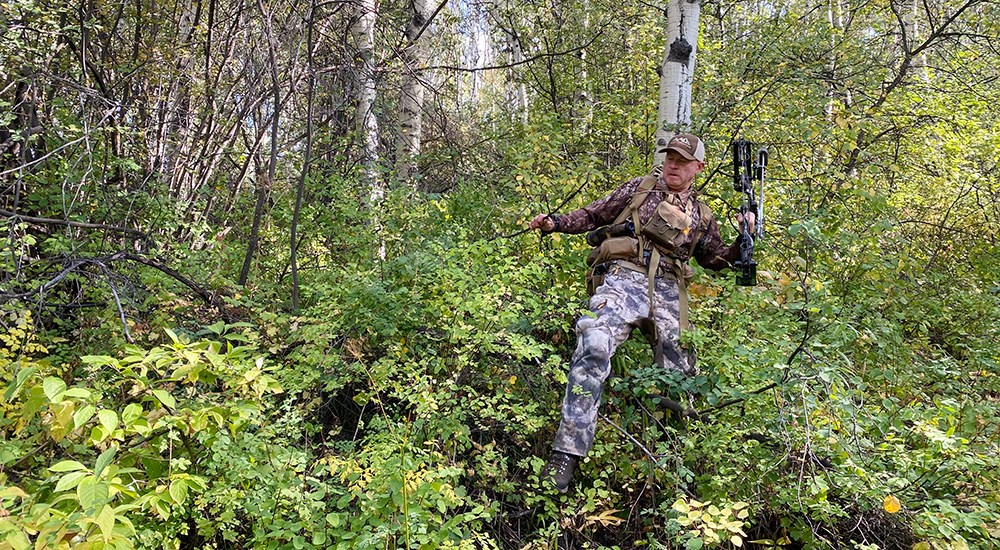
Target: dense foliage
(850,400)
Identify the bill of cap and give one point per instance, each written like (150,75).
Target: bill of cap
(681,150)
(688,146)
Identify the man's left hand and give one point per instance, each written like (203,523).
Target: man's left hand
(751,219)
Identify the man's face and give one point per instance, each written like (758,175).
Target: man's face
(679,172)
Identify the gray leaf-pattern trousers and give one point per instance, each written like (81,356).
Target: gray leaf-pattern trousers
(618,305)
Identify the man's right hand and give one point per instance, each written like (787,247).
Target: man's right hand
(543,222)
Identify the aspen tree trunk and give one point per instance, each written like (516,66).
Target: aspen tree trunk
(520,93)
(894,44)
(412,101)
(265,183)
(363,30)
(584,96)
(474,58)
(677,72)
(913,22)
(307,158)
(366,124)
(835,17)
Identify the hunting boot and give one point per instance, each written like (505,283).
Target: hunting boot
(559,470)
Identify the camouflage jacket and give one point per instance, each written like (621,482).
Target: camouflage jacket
(711,252)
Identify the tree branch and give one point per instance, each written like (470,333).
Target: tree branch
(517,63)
(68,223)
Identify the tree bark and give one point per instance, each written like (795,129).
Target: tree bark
(365,121)
(363,30)
(307,158)
(584,97)
(835,89)
(677,72)
(411,104)
(264,183)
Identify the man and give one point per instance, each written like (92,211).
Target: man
(671,226)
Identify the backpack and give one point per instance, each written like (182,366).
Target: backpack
(660,230)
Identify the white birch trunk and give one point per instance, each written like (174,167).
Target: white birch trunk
(411,103)
(919,62)
(586,100)
(363,30)
(520,92)
(835,18)
(475,59)
(365,121)
(677,72)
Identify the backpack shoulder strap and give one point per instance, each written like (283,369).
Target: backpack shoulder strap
(704,215)
(645,186)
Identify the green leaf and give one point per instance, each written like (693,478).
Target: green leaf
(67,466)
(91,492)
(69,481)
(83,415)
(131,413)
(53,388)
(162,508)
(17,540)
(98,360)
(105,459)
(98,434)
(106,521)
(178,491)
(79,393)
(18,382)
(109,419)
(165,398)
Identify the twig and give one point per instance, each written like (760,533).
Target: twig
(631,438)
(118,302)
(521,62)
(551,212)
(68,223)
(209,298)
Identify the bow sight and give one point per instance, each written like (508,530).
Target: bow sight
(745,173)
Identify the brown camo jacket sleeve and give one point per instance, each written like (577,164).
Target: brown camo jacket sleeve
(711,252)
(600,212)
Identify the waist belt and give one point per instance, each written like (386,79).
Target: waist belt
(668,274)
(661,273)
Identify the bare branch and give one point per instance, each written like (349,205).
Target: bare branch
(69,223)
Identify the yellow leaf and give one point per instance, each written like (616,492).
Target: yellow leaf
(605,518)
(891,504)
(736,540)
(681,506)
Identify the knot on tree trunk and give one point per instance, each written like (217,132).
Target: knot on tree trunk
(680,51)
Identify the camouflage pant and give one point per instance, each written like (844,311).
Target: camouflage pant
(619,304)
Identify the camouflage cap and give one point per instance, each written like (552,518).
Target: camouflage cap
(689,146)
